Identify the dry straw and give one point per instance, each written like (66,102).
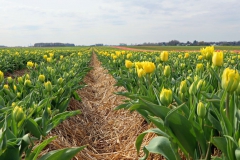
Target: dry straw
(108,134)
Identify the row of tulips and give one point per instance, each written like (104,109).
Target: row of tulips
(33,104)
(12,59)
(191,98)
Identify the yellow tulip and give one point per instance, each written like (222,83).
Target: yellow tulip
(18,114)
(200,57)
(1,76)
(14,87)
(60,80)
(201,110)
(207,52)
(167,71)
(183,86)
(20,80)
(129,55)
(49,59)
(230,80)
(186,55)
(149,67)
(48,86)
(199,67)
(138,65)
(30,64)
(166,97)
(217,58)
(201,85)
(6,86)
(128,64)
(27,83)
(41,78)
(10,80)
(164,56)
(193,88)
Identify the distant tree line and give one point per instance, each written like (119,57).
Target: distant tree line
(54,45)
(188,43)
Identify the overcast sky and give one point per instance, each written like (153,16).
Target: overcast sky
(85,22)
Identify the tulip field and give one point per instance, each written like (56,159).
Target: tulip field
(33,104)
(190,99)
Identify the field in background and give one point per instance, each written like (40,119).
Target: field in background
(170,48)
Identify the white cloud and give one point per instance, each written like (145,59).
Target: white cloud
(112,22)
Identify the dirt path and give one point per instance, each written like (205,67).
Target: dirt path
(109,134)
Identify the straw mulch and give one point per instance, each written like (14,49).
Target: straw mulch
(108,134)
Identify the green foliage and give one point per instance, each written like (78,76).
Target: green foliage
(30,107)
(202,114)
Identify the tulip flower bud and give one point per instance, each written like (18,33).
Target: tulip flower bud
(181,95)
(19,94)
(14,87)
(1,76)
(60,80)
(196,78)
(27,76)
(230,80)
(199,67)
(160,66)
(41,78)
(193,88)
(183,86)
(5,86)
(167,71)
(164,56)
(217,58)
(189,79)
(45,56)
(175,64)
(201,110)
(166,97)
(20,80)
(10,80)
(201,84)
(18,114)
(128,64)
(27,83)
(49,110)
(60,91)
(182,65)
(14,104)
(49,59)
(48,86)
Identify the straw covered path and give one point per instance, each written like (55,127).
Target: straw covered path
(108,134)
